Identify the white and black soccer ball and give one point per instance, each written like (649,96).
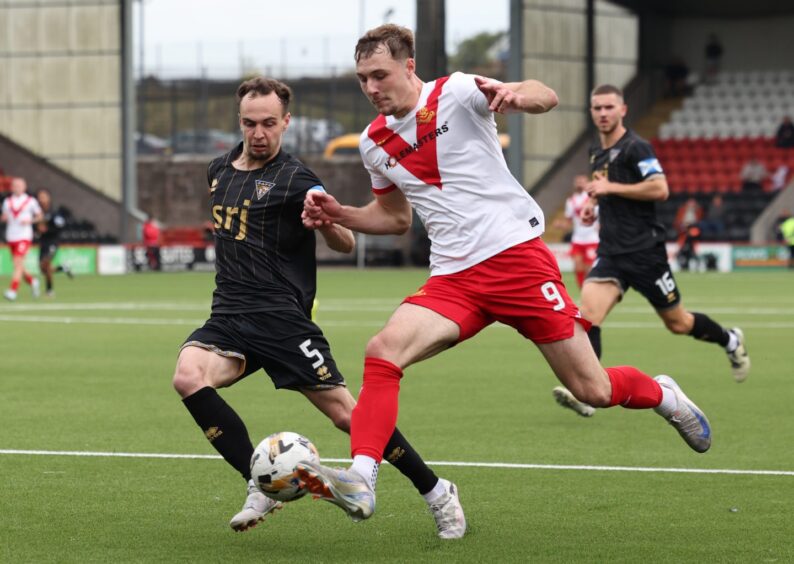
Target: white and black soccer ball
(273,464)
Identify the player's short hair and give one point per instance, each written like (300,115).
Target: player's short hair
(262,86)
(607,89)
(397,39)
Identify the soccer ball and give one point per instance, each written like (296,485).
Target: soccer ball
(273,465)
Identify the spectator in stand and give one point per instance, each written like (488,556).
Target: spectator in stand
(689,213)
(687,256)
(151,240)
(785,134)
(753,175)
(713,54)
(779,178)
(713,224)
(676,73)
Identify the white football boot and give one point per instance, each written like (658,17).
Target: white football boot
(740,360)
(687,418)
(257,506)
(448,513)
(342,487)
(565,398)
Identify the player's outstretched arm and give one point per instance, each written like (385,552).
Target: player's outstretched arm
(388,214)
(338,238)
(529,96)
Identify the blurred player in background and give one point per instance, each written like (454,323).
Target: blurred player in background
(261,309)
(150,235)
(627,181)
(584,238)
(52,223)
(20,212)
(434,148)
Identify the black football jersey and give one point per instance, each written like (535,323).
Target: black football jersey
(54,221)
(264,256)
(626,225)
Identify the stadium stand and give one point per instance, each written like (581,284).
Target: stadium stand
(706,142)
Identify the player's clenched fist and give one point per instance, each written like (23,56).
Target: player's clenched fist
(319,209)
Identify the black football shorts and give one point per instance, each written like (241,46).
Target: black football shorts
(647,271)
(286,344)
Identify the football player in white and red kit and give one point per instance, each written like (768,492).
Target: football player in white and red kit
(20,212)
(434,148)
(584,238)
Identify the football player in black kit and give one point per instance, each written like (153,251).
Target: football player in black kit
(261,307)
(627,180)
(49,229)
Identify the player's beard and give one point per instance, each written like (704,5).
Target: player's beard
(609,128)
(261,157)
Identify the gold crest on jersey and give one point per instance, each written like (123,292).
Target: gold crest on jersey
(262,188)
(424,116)
(214,185)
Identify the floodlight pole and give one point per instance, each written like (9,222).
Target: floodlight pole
(515,73)
(591,59)
(129,186)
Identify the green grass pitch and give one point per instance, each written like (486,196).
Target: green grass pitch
(90,372)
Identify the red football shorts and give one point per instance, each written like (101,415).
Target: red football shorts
(520,287)
(585,250)
(19,248)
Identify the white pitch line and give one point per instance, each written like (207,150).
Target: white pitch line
(142,321)
(506,465)
(99,320)
(329,306)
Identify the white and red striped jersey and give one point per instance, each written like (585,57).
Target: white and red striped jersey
(582,234)
(445,157)
(19,212)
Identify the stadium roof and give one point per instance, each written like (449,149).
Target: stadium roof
(710,8)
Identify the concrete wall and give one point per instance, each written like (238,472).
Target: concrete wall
(748,43)
(553,51)
(60,69)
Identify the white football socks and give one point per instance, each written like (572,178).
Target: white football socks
(733,341)
(367,468)
(438,490)
(669,402)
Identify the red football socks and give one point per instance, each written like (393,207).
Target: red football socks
(633,389)
(375,414)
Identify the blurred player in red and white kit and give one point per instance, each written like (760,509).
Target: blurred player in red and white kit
(584,238)
(434,148)
(20,212)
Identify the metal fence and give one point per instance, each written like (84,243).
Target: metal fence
(199,115)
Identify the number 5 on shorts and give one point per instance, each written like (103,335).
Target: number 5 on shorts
(312,353)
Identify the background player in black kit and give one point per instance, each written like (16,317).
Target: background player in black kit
(49,229)
(261,306)
(627,180)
